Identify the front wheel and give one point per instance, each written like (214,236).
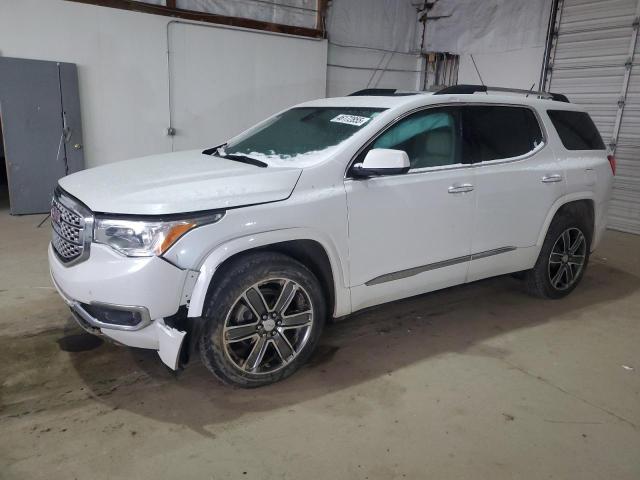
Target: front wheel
(262,320)
(563,259)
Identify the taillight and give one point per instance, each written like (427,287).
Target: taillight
(612,162)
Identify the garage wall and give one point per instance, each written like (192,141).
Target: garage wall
(373,44)
(506,37)
(218,91)
(596,54)
(513,69)
(124,79)
(377,43)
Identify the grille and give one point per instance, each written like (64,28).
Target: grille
(67,250)
(70,223)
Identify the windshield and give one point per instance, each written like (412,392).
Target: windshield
(300,132)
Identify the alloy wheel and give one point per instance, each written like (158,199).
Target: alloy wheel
(567,258)
(268,326)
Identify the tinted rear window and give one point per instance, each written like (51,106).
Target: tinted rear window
(495,132)
(576,130)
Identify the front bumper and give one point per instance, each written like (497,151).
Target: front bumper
(150,286)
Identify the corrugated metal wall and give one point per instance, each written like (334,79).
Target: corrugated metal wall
(595,60)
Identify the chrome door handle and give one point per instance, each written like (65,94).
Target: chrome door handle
(461,188)
(552,178)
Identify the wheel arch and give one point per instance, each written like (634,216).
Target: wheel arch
(315,253)
(574,204)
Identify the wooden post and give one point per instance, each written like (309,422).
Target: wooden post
(321,14)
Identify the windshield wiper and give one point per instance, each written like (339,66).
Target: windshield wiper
(245,159)
(215,151)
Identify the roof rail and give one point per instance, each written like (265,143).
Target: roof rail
(463,89)
(381,92)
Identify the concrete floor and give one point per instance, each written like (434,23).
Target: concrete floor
(478,381)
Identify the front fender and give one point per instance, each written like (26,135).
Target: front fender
(249,242)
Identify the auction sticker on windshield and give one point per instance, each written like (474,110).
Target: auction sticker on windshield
(350,120)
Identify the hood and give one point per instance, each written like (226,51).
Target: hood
(178,182)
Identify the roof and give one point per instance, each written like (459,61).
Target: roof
(364,101)
(428,98)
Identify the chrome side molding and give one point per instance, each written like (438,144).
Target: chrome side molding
(409,272)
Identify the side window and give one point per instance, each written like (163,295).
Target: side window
(429,137)
(576,130)
(494,132)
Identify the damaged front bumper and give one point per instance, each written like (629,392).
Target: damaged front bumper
(125,324)
(155,335)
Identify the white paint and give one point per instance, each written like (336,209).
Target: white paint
(423,224)
(138,281)
(332,239)
(178,182)
(169,344)
(317,210)
(369,228)
(385,159)
(122,70)
(157,336)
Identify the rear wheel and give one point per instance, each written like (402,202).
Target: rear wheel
(262,321)
(563,259)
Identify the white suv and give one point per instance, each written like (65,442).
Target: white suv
(242,251)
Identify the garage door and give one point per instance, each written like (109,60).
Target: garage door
(596,62)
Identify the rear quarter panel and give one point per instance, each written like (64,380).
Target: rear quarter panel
(587,175)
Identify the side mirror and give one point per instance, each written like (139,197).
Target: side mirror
(382,161)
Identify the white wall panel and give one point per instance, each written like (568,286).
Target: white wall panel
(123,77)
(223,81)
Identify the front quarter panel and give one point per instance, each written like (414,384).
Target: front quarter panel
(313,212)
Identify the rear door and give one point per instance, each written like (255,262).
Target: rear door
(517,180)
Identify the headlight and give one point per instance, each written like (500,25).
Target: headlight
(137,238)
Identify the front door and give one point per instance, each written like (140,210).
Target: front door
(411,233)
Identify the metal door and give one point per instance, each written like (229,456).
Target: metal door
(594,60)
(40,114)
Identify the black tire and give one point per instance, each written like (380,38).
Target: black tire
(228,308)
(540,280)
